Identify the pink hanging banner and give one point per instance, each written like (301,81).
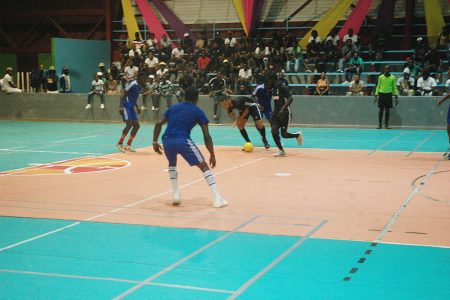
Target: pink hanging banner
(151,19)
(248,13)
(356,18)
(175,23)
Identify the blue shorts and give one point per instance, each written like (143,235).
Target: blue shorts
(185,147)
(448,116)
(267,112)
(129,114)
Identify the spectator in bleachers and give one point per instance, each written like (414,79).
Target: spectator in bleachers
(8,85)
(174,69)
(420,50)
(412,69)
(227,71)
(323,85)
(152,62)
(245,75)
(65,85)
(186,80)
(165,42)
(447,83)
(356,87)
(443,42)
(162,71)
(114,71)
(187,44)
(346,53)
(97,88)
(104,71)
(36,78)
(333,37)
(130,71)
(354,66)
(52,81)
(218,39)
(177,52)
(165,88)
(405,85)
(350,36)
(203,63)
(426,85)
(137,42)
(152,42)
(230,40)
(313,46)
(112,86)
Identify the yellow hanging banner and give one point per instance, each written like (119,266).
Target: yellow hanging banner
(435,20)
(130,20)
(328,22)
(240,12)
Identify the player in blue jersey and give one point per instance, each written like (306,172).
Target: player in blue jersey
(180,119)
(263,95)
(129,111)
(448,120)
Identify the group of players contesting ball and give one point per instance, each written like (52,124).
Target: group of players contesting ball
(182,117)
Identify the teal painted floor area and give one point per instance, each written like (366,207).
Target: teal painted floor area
(27,143)
(102,260)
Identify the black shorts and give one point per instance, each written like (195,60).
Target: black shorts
(281,120)
(385,100)
(252,111)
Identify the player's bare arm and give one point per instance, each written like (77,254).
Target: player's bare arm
(446,97)
(156,132)
(209,145)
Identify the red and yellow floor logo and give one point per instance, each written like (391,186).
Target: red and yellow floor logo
(72,166)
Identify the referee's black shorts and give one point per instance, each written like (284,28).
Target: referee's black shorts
(385,100)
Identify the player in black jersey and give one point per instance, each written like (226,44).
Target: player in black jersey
(246,107)
(281,114)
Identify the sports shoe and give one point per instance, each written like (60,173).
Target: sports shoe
(88,106)
(102,106)
(176,198)
(300,138)
(129,148)
(120,147)
(220,202)
(280,153)
(266,145)
(143,107)
(387,127)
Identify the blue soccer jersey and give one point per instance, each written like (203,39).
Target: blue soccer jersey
(182,117)
(133,90)
(264,97)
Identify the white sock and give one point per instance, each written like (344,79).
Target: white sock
(173,174)
(211,181)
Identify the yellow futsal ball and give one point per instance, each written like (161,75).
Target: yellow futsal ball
(248,147)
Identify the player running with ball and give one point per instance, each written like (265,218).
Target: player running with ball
(246,107)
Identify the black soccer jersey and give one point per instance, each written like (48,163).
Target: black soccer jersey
(280,95)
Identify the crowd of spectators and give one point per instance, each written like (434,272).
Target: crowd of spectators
(242,62)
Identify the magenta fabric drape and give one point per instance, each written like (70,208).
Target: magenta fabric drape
(356,18)
(175,23)
(151,19)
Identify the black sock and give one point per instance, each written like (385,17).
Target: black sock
(262,132)
(245,135)
(386,117)
(276,138)
(380,117)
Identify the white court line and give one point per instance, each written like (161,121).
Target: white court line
(386,143)
(76,139)
(176,264)
(55,152)
(276,261)
(405,203)
(128,206)
(187,287)
(421,143)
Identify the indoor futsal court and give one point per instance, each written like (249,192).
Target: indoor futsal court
(353,213)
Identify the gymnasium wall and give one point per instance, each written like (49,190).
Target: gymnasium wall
(82,58)
(417,112)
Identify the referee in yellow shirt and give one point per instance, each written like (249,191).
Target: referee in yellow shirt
(386,86)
